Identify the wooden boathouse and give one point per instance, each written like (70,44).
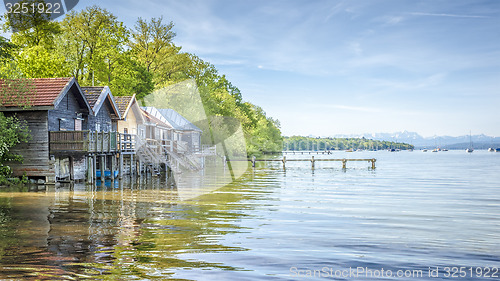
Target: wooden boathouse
(82,133)
(57,109)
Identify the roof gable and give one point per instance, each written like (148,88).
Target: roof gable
(39,93)
(127,104)
(97,97)
(151,118)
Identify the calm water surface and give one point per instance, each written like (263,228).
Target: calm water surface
(415,211)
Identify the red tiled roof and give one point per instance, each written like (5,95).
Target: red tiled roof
(33,92)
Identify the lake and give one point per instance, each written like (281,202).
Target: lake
(418,215)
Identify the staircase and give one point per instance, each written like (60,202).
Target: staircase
(152,153)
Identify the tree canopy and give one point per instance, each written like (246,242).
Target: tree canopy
(95,47)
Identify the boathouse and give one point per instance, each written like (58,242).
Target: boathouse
(131,115)
(57,107)
(105,110)
(103,126)
(189,135)
(185,135)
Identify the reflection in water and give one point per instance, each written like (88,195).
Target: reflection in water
(415,211)
(131,228)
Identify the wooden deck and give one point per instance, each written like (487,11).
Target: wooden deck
(83,142)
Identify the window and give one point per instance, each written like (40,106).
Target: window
(78,124)
(61,124)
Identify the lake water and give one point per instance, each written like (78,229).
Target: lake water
(416,214)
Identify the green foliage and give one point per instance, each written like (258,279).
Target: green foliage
(13,132)
(6,49)
(96,48)
(298,143)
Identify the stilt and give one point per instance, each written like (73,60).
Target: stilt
(71,169)
(113,160)
(94,168)
(344,163)
(120,172)
(131,165)
(312,162)
(373,163)
(103,167)
(90,167)
(284,161)
(253,161)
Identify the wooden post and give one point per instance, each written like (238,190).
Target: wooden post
(89,170)
(102,142)
(94,168)
(253,161)
(224,160)
(284,161)
(113,160)
(312,162)
(131,165)
(373,163)
(103,157)
(344,163)
(71,169)
(120,172)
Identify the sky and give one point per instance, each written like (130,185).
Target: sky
(347,67)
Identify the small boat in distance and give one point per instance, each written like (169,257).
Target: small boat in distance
(470,149)
(491,149)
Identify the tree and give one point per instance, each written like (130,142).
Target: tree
(93,40)
(131,77)
(151,43)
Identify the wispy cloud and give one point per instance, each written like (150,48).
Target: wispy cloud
(447,15)
(349,107)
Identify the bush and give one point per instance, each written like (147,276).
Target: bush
(13,133)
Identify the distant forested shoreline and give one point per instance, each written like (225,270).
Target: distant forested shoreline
(298,143)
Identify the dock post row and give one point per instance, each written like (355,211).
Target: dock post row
(313,160)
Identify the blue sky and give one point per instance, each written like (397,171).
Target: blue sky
(342,67)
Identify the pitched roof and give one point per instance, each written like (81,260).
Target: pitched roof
(178,121)
(96,97)
(124,103)
(92,94)
(34,92)
(152,119)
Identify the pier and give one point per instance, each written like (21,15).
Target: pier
(312,160)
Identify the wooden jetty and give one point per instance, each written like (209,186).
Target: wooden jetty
(312,160)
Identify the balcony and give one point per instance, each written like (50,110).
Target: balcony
(68,142)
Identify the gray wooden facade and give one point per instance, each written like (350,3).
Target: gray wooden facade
(105,110)
(58,105)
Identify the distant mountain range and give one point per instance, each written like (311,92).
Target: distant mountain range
(461,142)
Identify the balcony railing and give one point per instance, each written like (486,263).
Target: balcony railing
(83,141)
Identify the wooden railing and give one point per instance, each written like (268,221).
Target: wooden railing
(83,141)
(128,143)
